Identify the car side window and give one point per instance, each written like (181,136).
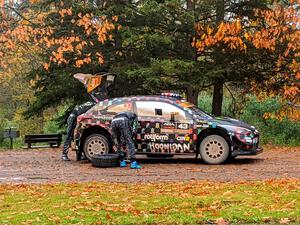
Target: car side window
(122,107)
(159,110)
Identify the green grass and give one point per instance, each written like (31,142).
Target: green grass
(17,143)
(162,203)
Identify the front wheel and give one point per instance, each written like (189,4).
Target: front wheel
(214,149)
(95,144)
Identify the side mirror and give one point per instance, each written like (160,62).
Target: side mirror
(174,116)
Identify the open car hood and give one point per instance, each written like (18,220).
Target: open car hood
(99,80)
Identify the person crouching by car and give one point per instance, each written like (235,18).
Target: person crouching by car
(124,127)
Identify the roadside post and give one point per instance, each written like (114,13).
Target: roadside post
(11,133)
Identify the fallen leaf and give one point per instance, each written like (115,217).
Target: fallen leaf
(284,221)
(221,221)
(108,216)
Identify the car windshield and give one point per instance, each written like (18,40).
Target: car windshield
(201,113)
(196,110)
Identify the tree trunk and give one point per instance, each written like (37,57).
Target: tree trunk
(191,93)
(192,96)
(189,4)
(217,98)
(220,5)
(218,85)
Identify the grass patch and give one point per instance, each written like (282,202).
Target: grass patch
(162,203)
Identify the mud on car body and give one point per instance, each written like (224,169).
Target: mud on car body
(167,126)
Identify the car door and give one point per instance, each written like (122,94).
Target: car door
(182,136)
(157,132)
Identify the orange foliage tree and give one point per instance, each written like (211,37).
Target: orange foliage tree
(66,37)
(65,34)
(274,34)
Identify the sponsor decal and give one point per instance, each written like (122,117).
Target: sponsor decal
(183,138)
(169,125)
(195,137)
(169,147)
(104,118)
(183,126)
(138,137)
(179,131)
(255,140)
(168,131)
(248,140)
(154,137)
(202,121)
(202,124)
(212,124)
(180,138)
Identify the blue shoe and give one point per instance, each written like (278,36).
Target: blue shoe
(123,163)
(135,165)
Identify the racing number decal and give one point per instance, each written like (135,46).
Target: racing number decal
(183,126)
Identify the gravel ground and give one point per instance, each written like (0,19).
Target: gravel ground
(45,166)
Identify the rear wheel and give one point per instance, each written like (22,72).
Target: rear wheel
(95,144)
(214,149)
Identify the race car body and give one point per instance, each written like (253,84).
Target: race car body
(167,126)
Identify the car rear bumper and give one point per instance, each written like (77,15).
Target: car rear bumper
(247,152)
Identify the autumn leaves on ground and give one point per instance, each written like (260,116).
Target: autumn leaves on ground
(275,201)
(263,189)
(192,47)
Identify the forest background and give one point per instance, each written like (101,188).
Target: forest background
(231,58)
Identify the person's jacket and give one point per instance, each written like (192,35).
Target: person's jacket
(80,109)
(132,118)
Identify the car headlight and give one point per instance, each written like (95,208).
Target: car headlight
(242,134)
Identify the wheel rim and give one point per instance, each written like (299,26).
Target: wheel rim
(96,146)
(214,149)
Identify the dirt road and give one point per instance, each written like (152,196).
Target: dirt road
(44,166)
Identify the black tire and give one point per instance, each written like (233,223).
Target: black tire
(214,149)
(95,144)
(231,158)
(105,161)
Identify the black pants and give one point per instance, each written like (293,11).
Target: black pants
(122,134)
(71,123)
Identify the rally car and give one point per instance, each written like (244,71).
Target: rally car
(167,125)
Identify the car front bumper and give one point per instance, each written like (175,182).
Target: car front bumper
(247,152)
